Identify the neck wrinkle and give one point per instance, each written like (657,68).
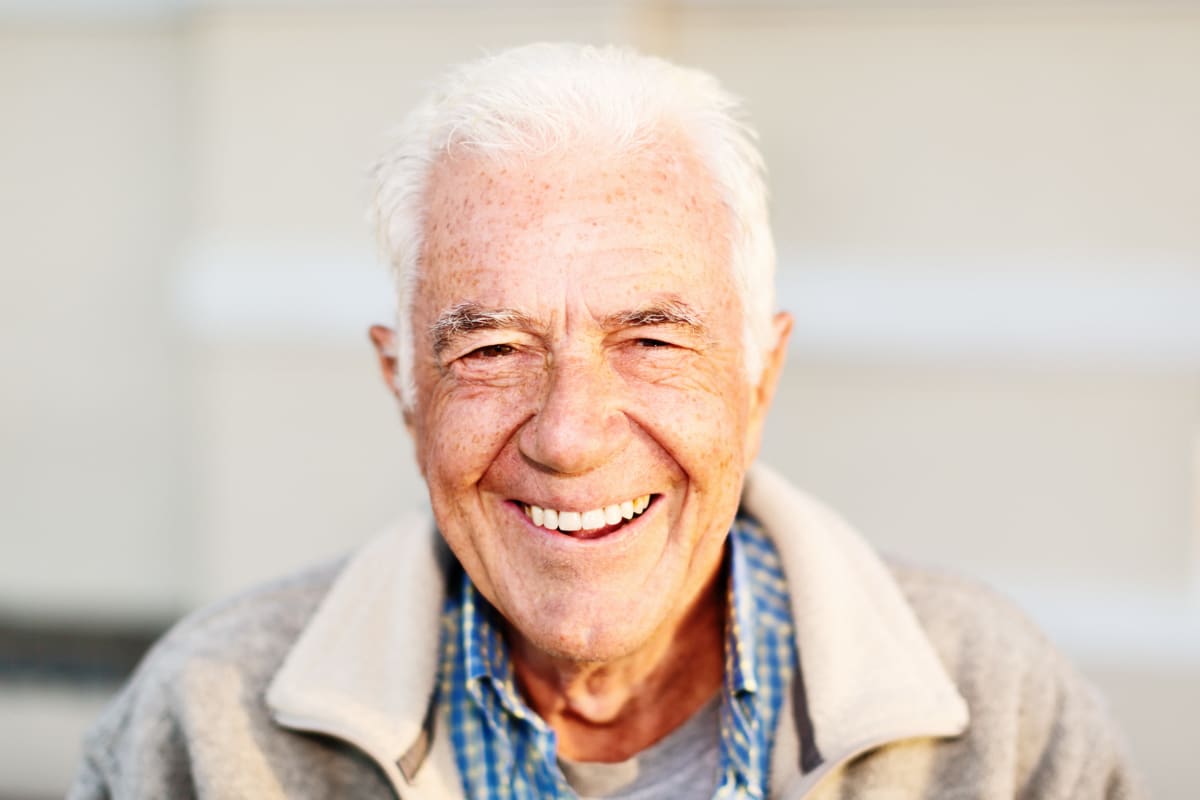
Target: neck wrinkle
(608,712)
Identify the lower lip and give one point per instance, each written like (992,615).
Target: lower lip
(594,537)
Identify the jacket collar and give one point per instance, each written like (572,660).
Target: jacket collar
(868,673)
(364,669)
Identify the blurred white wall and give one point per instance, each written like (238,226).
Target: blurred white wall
(986,214)
(93,413)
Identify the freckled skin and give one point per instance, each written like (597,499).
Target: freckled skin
(570,415)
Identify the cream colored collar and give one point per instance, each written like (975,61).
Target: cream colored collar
(365,667)
(871,675)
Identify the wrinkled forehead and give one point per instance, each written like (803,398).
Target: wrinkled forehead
(479,207)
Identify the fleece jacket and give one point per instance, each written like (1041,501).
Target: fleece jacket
(911,684)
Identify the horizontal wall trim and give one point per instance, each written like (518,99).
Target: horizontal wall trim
(1109,627)
(265,294)
(75,651)
(995,316)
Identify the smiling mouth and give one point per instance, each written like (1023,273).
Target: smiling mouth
(591,524)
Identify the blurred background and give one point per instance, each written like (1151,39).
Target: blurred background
(988,218)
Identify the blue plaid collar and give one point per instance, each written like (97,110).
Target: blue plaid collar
(741,685)
(489,671)
(505,750)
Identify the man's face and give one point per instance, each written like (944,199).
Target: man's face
(577,346)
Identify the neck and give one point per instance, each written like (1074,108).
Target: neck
(613,710)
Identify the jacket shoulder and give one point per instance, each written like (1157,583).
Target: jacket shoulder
(1029,706)
(253,629)
(203,679)
(963,617)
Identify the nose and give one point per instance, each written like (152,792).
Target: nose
(580,423)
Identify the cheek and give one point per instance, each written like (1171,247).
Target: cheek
(465,428)
(704,426)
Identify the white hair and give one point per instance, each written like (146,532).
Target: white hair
(545,99)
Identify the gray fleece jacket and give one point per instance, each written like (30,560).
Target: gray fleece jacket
(911,685)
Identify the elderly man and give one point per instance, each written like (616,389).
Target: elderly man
(613,604)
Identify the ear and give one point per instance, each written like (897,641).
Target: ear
(764,391)
(384,339)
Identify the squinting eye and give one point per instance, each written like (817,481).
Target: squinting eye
(492,351)
(652,343)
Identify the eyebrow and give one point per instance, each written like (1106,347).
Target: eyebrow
(459,320)
(668,311)
(468,317)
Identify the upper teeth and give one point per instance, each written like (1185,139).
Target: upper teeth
(556,520)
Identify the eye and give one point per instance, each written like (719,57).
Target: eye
(645,342)
(492,351)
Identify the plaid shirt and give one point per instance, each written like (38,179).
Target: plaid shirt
(504,750)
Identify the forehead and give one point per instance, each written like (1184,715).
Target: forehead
(654,214)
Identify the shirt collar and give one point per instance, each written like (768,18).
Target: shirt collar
(742,726)
(491,682)
(489,670)
(486,654)
(740,661)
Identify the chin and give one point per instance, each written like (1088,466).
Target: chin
(593,647)
(565,636)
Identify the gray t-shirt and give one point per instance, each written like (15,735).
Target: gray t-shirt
(684,765)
